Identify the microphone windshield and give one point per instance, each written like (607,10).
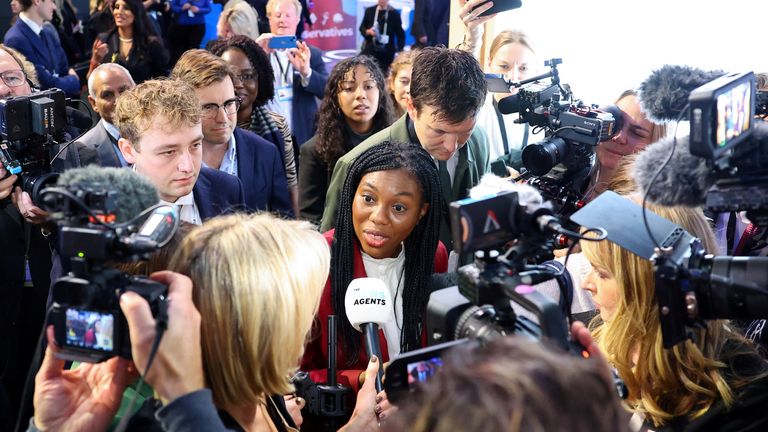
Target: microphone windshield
(134,193)
(367,301)
(510,104)
(684,181)
(664,94)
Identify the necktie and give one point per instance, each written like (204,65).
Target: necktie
(749,233)
(445,181)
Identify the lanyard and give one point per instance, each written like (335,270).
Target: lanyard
(284,71)
(386,20)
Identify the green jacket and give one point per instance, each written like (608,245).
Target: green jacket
(473,164)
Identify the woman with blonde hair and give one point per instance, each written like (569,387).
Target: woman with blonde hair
(256,311)
(715,381)
(399,80)
(238,18)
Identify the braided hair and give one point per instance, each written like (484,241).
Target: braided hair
(420,245)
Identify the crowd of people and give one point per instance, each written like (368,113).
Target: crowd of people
(292,180)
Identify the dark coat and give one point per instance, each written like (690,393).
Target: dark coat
(260,168)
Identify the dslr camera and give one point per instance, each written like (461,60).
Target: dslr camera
(88,323)
(31,129)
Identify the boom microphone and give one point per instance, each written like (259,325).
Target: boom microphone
(134,193)
(368,303)
(509,104)
(684,181)
(664,94)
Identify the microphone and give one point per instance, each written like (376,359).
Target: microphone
(687,178)
(684,181)
(509,104)
(133,192)
(664,94)
(368,303)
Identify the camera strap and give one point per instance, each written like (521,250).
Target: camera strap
(503,127)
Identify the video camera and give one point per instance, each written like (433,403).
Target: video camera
(691,285)
(723,131)
(88,323)
(31,128)
(481,308)
(561,165)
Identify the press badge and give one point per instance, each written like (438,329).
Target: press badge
(285,93)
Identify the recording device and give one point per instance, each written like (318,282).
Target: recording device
(101,219)
(500,6)
(481,307)
(328,405)
(562,164)
(692,285)
(368,303)
(31,128)
(725,157)
(282,42)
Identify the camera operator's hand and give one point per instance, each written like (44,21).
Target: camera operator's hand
(364,417)
(85,398)
(178,365)
(6,183)
(31,213)
(470,13)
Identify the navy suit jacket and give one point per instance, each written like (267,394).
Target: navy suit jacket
(260,168)
(304,106)
(51,65)
(217,193)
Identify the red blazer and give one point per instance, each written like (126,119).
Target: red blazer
(315,359)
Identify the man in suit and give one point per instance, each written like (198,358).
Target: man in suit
(300,73)
(161,136)
(40,46)
(447,91)
(99,145)
(421,27)
(257,162)
(382,29)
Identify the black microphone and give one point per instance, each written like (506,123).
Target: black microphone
(509,104)
(134,193)
(664,94)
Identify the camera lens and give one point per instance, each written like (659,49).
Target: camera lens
(34,184)
(539,158)
(477,323)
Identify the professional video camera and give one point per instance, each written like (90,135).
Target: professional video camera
(691,285)
(94,230)
(31,127)
(561,165)
(481,308)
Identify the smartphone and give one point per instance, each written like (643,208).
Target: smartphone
(282,42)
(406,371)
(501,6)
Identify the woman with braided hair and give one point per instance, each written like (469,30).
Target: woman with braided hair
(387,229)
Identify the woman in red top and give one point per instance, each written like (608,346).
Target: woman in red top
(388,229)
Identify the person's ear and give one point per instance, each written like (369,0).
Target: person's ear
(424,210)
(92,101)
(410,108)
(128,150)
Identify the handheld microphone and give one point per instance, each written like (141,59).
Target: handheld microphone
(664,94)
(133,193)
(368,303)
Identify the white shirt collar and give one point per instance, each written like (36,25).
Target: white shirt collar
(32,25)
(111,129)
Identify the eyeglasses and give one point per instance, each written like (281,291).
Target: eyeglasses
(13,78)
(247,76)
(230,107)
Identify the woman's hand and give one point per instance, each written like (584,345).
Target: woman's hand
(470,13)
(100,50)
(86,398)
(364,417)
